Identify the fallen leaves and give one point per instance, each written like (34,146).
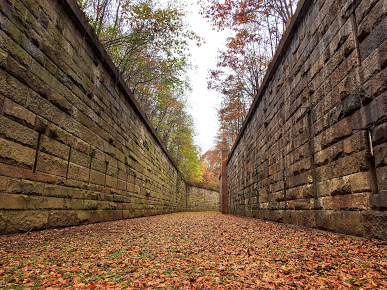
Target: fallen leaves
(190,251)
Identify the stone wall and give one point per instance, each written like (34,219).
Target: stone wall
(313,149)
(202,199)
(74,145)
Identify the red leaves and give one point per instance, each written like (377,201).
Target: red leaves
(190,251)
(91,286)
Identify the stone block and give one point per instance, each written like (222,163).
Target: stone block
(90,204)
(80,158)
(97,178)
(22,186)
(51,164)
(98,165)
(44,108)
(360,182)
(57,191)
(304,218)
(22,221)
(126,214)
(45,202)
(14,89)
(350,104)
(382,55)
(16,154)
(375,223)
(86,194)
(370,66)
(111,181)
(13,48)
(53,147)
(12,171)
(19,113)
(338,131)
(83,216)
(105,215)
(78,172)
(347,222)
(344,166)
(370,113)
(356,201)
(17,132)
(363,10)
(355,143)
(13,201)
(301,204)
(62,218)
(121,184)
(73,204)
(300,179)
(106,205)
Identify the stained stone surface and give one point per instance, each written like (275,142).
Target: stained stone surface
(313,151)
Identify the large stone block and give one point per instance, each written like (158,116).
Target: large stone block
(80,158)
(19,113)
(13,201)
(16,154)
(355,201)
(375,224)
(347,222)
(62,218)
(17,132)
(97,178)
(78,172)
(53,147)
(20,221)
(22,186)
(51,164)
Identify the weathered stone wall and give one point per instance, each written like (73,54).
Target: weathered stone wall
(202,199)
(74,145)
(313,150)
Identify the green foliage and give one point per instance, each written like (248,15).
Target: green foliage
(149,45)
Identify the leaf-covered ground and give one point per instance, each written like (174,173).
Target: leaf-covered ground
(190,251)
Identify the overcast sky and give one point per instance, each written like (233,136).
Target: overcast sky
(204,103)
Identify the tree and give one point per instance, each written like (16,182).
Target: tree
(257,26)
(211,166)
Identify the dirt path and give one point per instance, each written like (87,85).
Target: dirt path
(190,250)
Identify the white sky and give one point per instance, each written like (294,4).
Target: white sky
(204,103)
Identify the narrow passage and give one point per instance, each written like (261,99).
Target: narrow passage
(190,251)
